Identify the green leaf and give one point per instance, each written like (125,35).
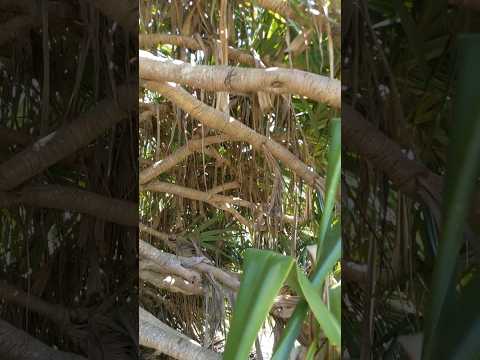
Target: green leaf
(333,179)
(294,325)
(335,295)
(459,341)
(462,169)
(325,318)
(265,273)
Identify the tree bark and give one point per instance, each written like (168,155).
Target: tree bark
(186,267)
(165,263)
(408,175)
(170,283)
(16,344)
(117,211)
(155,334)
(235,79)
(65,141)
(235,129)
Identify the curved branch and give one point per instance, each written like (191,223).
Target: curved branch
(56,313)
(164,262)
(193,194)
(187,267)
(65,141)
(235,129)
(409,176)
(178,156)
(235,79)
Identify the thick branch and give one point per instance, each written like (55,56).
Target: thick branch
(171,283)
(65,141)
(409,176)
(234,79)
(156,335)
(68,198)
(235,129)
(56,313)
(16,344)
(188,266)
(178,156)
(165,263)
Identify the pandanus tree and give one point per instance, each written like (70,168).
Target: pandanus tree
(239,167)
(410,259)
(68,197)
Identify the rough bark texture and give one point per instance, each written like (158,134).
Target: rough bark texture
(234,129)
(234,79)
(65,141)
(117,211)
(16,344)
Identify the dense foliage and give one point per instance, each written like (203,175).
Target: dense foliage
(223,196)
